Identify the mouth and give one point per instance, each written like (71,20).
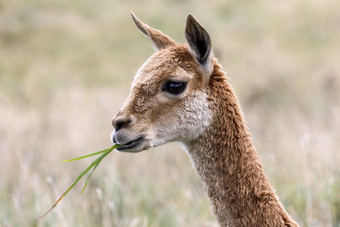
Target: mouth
(132,144)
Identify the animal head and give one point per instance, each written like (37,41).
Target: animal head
(169,94)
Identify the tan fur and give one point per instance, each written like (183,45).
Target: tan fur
(207,119)
(226,159)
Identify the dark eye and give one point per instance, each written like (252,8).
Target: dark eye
(174,88)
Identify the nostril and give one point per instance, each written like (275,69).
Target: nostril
(121,122)
(113,138)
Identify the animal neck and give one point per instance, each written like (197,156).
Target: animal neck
(226,160)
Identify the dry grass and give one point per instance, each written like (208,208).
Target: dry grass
(65,70)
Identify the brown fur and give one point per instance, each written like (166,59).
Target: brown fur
(226,160)
(207,119)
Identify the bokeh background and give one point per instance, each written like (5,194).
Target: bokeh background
(66,68)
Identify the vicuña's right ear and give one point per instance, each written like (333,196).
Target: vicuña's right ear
(199,41)
(159,39)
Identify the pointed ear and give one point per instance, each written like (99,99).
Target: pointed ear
(199,41)
(159,39)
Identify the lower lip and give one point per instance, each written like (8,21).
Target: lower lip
(134,144)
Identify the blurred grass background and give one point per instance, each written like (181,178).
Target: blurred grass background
(66,68)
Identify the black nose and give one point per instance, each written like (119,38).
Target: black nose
(121,122)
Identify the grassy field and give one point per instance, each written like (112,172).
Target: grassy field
(66,68)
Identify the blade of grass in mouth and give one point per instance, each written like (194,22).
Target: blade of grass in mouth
(92,166)
(89,155)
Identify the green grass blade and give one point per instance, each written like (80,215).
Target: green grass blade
(93,165)
(89,155)
(94,168)
(98,160)
(88,177)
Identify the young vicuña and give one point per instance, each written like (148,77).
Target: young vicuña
(181,94)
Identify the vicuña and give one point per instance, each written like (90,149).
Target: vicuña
(181,94)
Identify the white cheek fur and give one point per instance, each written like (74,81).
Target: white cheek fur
(185,123)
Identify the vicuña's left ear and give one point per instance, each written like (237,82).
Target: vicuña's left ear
(199,41)
(159,39)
